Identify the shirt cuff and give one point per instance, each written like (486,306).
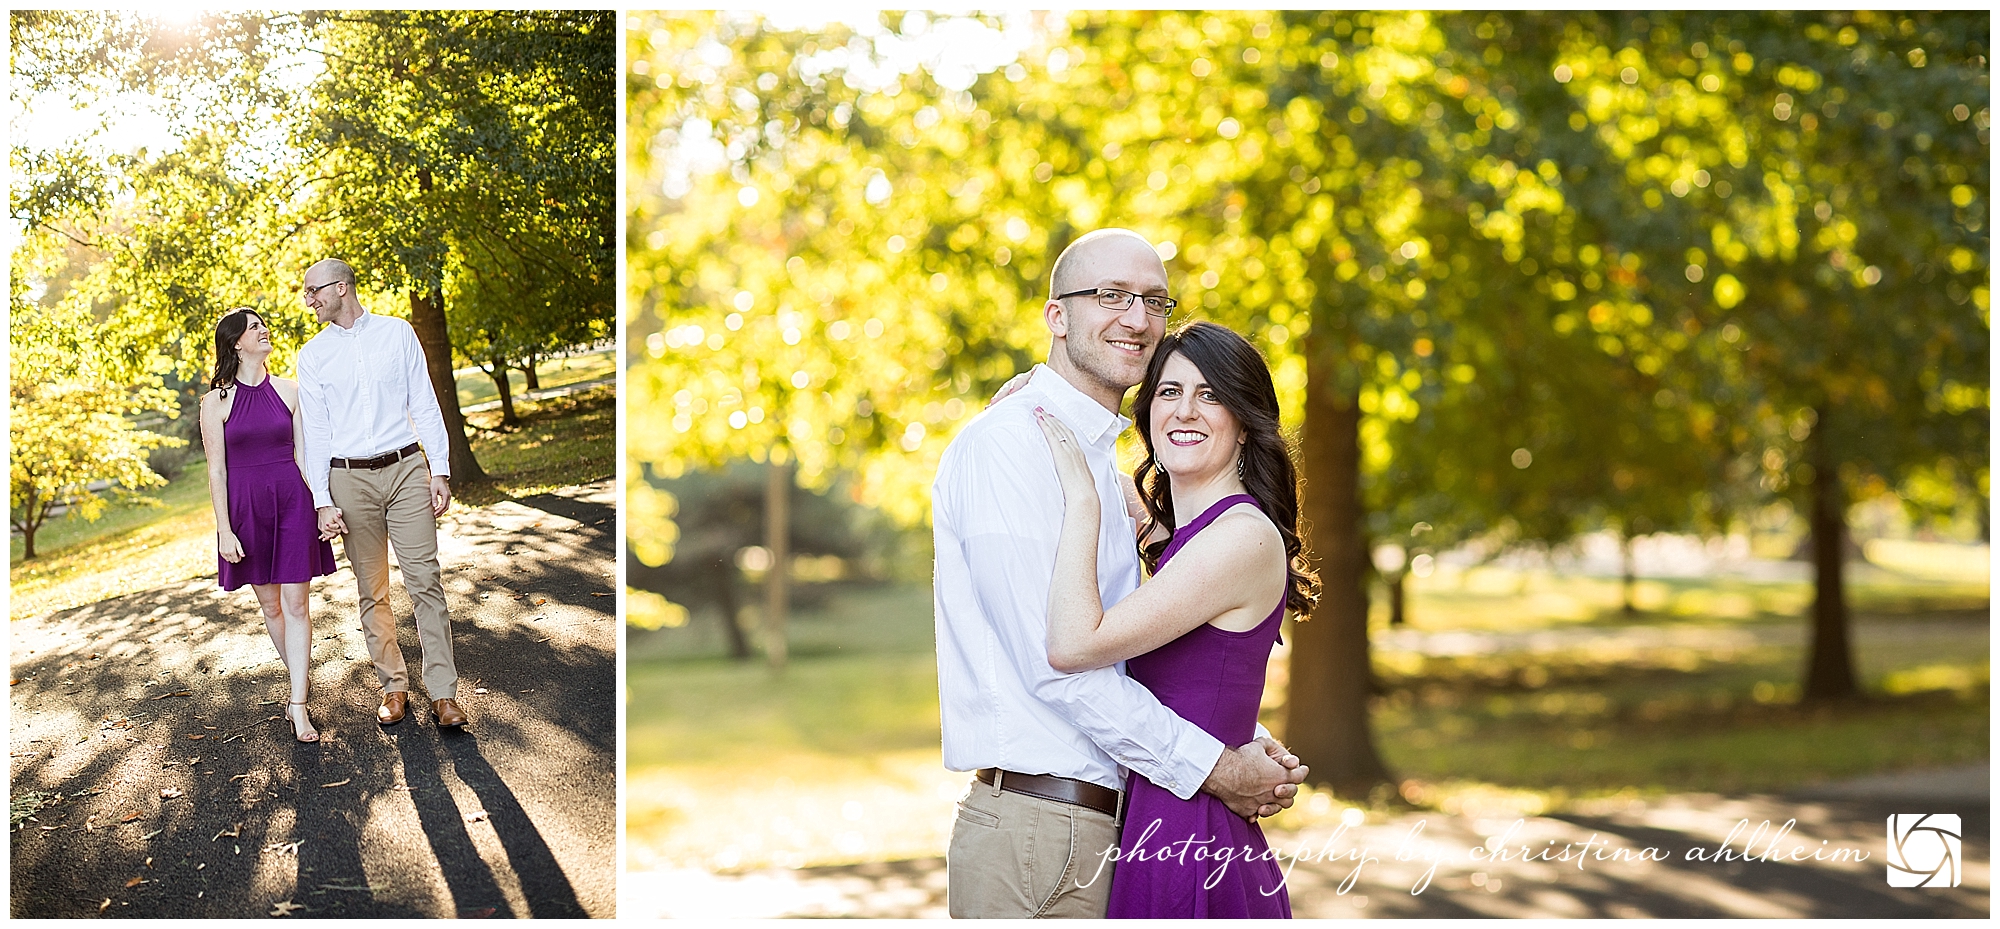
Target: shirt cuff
(321,499)
(1194,759)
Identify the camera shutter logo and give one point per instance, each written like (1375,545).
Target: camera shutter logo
(1924,850)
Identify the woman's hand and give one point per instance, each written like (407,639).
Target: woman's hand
(1013,384)
(1078,484)
(230,548)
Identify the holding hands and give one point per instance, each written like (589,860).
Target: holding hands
(330,523)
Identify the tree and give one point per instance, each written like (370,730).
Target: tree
(433,124)
(71,425)
(432,145)
(1823,178)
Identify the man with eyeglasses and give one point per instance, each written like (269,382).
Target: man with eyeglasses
(1048,748)
(379,467)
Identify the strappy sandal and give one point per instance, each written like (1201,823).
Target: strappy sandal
(314,737)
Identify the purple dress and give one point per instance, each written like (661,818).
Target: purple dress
(270,509)
(1170,849)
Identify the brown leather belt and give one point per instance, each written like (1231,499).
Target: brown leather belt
(1060,789)
(378,462)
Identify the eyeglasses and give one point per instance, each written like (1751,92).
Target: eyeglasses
(309,291)
(1111,298)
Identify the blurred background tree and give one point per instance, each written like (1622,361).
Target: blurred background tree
(1520,277)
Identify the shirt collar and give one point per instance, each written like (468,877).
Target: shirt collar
(360,323)
(1089,418)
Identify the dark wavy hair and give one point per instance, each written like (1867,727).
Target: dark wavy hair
(1242,381)
(227,330)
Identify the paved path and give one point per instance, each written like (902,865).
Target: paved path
(147,738)
(1435,854)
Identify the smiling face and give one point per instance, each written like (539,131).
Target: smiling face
(1104,351)
(1193,434)
(256,338)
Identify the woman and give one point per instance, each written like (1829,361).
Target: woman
(265,530)
(1220,539)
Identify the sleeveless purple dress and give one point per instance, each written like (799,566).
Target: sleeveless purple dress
(1171,850)
(270,509)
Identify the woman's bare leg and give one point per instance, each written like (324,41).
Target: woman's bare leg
(288,620)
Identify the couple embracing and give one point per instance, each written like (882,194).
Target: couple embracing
(1059,672)
(342,451)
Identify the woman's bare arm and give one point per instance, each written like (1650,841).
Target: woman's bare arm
(1206,582)
(215,406)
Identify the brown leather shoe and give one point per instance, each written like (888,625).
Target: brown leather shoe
(447,713)
(394,704)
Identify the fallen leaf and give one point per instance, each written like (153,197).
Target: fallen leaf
(600,595)
(149,837)
(135,882)
(285,908)
(170,793)
(339,783)
(232,833)
(479,690)
(476,816)
(135,814)
(105,905)
(197,736)
(239,777)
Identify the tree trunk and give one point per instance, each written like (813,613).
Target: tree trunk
(30,525)
(1830,666)
(777,538)
(1326,713)
(504,384)
(732,622)
(1631,573)
(427,317)
(534,380)
(1399,597)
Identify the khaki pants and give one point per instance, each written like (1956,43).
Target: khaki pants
(1013,856)
(392,506)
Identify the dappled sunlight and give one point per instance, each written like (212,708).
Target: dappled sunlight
(172,740)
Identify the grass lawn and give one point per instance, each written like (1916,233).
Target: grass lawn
(568,440)
(731,766)
(477,387)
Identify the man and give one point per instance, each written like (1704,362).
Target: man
(379,469)
(1047,747)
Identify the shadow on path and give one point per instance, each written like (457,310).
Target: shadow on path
(148,743)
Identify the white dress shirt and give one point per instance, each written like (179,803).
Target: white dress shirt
(365,391)
(997,511)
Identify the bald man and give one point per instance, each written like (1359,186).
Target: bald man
(1049,749)
(379,467)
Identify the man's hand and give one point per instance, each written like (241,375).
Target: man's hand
(330,523)
(1258,779)
(440,495)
